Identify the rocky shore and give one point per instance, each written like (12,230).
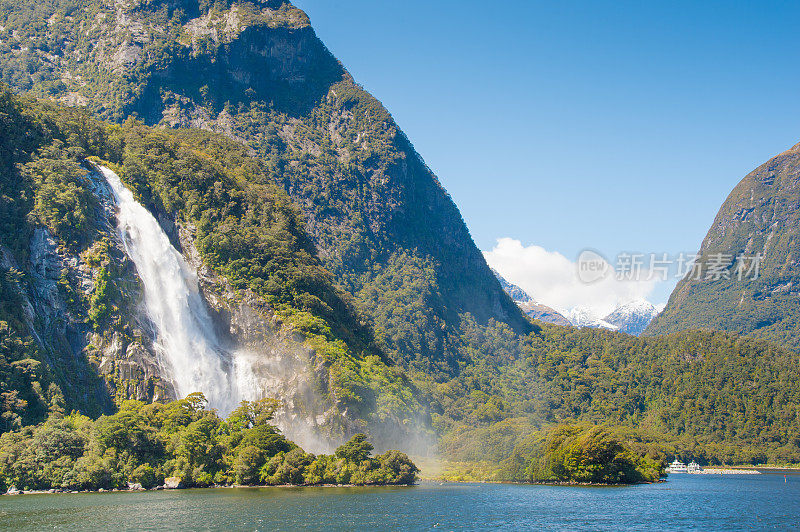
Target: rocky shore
(138,487)
(727,471)
(170,483)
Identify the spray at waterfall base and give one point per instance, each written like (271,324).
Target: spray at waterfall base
(209,339)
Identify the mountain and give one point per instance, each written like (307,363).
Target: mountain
(254,70)
(583,317)
(98,308)
(528,305)
(308,247)
(730,288)
(632,317)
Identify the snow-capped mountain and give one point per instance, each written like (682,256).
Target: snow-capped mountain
(583,317)
(528,305)
(633,317)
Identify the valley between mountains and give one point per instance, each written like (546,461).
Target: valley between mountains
(306,253)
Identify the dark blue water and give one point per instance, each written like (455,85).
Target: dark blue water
(686,502)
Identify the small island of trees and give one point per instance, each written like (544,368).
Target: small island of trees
(181,443)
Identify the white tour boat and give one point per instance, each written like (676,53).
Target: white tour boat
(677,467)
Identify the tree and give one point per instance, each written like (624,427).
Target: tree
(356,450)
(255,413)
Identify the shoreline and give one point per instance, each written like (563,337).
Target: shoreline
(542,483)
(758,470)
(236,486)
(59,491)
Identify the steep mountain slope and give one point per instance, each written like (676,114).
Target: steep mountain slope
(375,264)
(73,295)
(632,317)
(530,306)
(761,217)
(254,70)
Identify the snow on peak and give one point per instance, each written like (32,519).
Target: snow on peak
(584,317)
(632,317)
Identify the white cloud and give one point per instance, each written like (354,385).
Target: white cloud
(551,278)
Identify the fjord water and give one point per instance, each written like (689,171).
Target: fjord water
(190,352)
(685,502)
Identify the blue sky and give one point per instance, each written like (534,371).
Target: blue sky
(618,126)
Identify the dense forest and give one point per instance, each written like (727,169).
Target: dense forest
(718,397)
(299,190)
(142,445)
(715,397)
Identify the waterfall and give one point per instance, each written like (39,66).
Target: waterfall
(190,352)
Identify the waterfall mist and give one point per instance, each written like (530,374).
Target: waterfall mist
(191,354)
(189,350)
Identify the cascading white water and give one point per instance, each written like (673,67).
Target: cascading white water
(191,355)
(190,352)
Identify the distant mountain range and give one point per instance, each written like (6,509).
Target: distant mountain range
(583,317)
(529,305)
(632,317)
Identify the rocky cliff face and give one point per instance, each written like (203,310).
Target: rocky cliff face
(747,276)
(288,370)
(93,368)
(256,71)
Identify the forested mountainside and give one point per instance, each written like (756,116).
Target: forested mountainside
(75,338)
(72,328)
(379,219)
(317,233)
(714,396)
(730,289)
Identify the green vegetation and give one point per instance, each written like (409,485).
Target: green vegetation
(27,387)
(588,455)
(317,204)
(714,397)
(245,228)
(569,453)
(144,444)
(758,217)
